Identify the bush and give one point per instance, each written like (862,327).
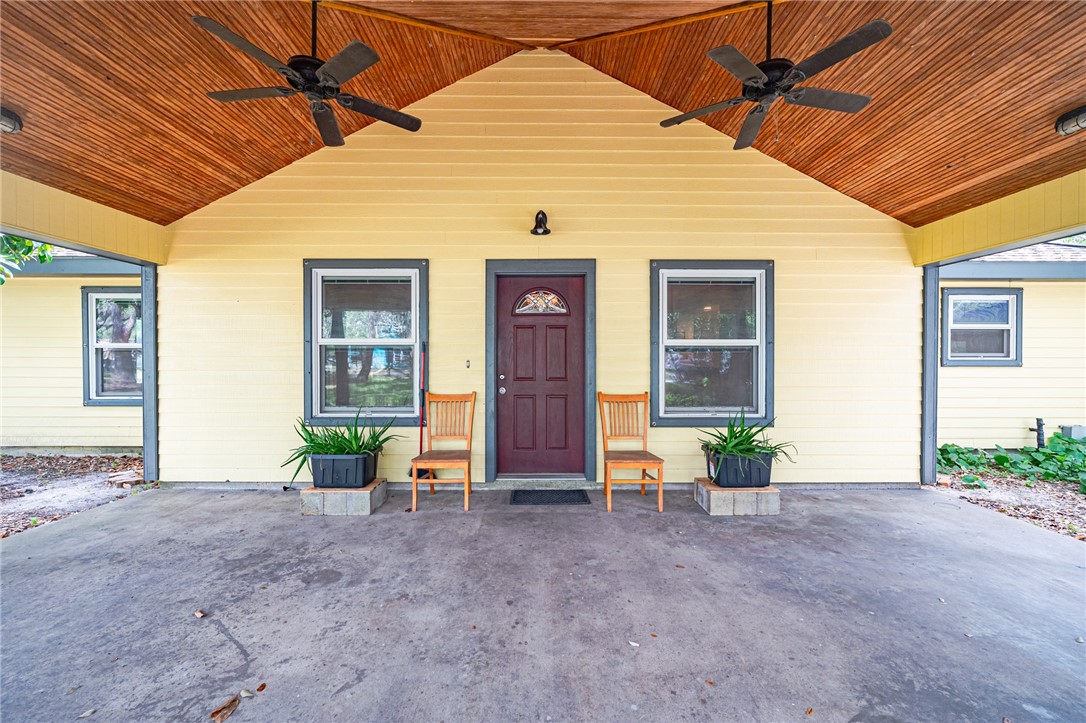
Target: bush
(1063,460)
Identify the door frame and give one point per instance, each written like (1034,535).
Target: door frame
(541,267)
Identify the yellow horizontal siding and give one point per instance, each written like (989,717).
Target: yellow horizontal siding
(41,369)
(985,406)
(37,209)
(1045,209)
(618,189)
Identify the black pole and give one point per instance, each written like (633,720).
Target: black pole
(313,52)
(769,30)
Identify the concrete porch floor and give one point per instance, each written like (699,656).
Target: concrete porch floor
(532,613)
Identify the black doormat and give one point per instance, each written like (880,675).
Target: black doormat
(549,497)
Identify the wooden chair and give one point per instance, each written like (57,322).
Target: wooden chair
(449,417)
(626,417)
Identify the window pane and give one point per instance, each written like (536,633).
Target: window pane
(697,379)
(117,321)
(996,311)
(119,373)
(987,342)
(712,309)
(366,308)
(377,378)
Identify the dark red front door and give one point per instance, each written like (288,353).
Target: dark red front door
(540,367)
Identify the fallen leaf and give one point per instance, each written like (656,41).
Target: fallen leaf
(87,713)
(408,509)
(681,567)
(473,627)
(1079,639)
(636,645)
(223,712)
(968,635)
(652,635)
(246,693)
(260,688)
(810,711)
(199,613)
(709,682)
(942,601)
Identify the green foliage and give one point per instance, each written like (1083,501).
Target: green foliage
(1063,459)
(740,440)
(16,250)
(351,439)
(972,481)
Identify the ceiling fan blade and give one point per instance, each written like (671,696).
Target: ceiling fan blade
(231,96)
(347,63)
(668,122)
(733,61)
(846,47)
(751,126)
(326,123)
(828,99)
(378,111)
(229,36)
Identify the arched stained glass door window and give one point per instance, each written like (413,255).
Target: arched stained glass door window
(541,301)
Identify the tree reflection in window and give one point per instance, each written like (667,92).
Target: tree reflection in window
(541,301)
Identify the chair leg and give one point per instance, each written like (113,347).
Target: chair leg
(660,489)
(467,487)
(607,486)
(414,488)
(644,475)
(432,473)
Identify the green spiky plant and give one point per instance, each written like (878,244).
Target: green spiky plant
(740,440)
(351,439)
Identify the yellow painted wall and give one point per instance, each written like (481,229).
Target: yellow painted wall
(50,213)
(541,130)
(985,406)
(1049,208)
(41,369)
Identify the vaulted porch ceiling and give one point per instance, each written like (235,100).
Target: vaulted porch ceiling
(112,92)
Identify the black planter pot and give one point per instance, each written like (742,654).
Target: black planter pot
(729,471)
(343,470)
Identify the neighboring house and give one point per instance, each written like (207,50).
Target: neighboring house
(1017,345)
(283,280)
(70,358)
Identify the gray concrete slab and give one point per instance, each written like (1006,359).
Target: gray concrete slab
(537,613)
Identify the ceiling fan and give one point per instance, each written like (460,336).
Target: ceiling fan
(317,80)
(774,78)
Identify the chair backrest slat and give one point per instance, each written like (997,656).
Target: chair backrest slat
(449,416)
(624,416)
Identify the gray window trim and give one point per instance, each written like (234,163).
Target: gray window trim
(655,267)
(541,267)
(947,292)
(149,300)
(79,267)
(308,267)
(1016,270)
(929,375)
(88,399)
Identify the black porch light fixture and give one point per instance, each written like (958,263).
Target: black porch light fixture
(540,225)
(1072,122)
(10,122)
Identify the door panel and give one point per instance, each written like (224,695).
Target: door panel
(541,422)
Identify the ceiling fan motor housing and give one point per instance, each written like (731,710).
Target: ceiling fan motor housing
(307,82)
(775,70)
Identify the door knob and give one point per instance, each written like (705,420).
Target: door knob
(501,390)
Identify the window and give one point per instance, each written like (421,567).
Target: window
(364,330)
(712,342)
(982,327)
(112,346)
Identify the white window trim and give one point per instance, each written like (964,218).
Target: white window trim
(319,340)
(758,342)
(1011,325)
(92,336)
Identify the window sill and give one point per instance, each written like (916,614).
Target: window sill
(130,402)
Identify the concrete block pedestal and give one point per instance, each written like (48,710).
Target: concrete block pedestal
(353,501)
(733,501)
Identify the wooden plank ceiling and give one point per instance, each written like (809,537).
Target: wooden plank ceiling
(966,93)
(112,93)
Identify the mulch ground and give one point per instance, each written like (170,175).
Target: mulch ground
(1053,505)
(37,490)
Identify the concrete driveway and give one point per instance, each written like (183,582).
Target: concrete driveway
(869,606)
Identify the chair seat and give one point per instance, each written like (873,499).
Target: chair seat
(632,457)
(442,456)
